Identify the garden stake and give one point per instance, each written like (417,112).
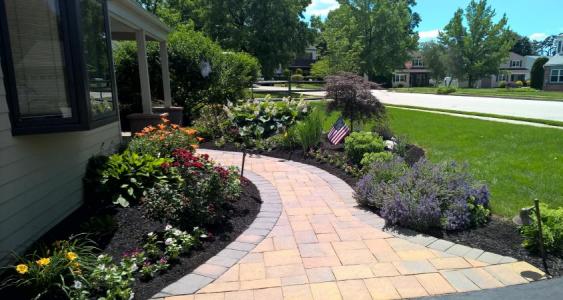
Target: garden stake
(243,160)
(540,235)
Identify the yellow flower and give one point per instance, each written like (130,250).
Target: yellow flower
(21,268)
(71,256)
(43,261)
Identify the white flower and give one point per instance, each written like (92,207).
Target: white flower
(77,284)
(169,241)
(168,227)
(177,232)
(134,268)
(150,234)
(132,296)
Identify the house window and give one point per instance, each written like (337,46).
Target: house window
(400,78)
(51,84)
(417,62)
(515,63)
(556,76)
(501,77)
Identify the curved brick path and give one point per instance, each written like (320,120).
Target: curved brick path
(322,247)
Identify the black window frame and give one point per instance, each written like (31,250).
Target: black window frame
(76,76)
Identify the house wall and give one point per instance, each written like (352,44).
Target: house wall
(41,178)
(548,86)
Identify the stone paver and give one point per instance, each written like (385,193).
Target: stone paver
(309,241)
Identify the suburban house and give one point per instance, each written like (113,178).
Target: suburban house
(414,73)
(553,80)
(515,68)
(58,103)
(305,61)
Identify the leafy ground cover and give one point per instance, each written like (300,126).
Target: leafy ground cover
(518,162)
(516,93)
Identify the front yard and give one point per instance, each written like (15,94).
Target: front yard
(519,163)
(515,93)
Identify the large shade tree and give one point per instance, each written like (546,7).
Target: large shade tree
(435,58)
(370,36)
(476,44)
(274,31)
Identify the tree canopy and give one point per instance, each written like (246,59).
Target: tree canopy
(434,56)
(478,45)
(370,36)
(272,30)
(523,46)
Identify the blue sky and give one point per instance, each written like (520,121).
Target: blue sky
(533,18)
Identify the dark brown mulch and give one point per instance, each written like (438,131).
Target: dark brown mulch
(132,227)
(499,236)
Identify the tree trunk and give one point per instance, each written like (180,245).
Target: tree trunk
(470,81)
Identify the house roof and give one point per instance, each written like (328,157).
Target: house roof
(127,17)
(555,61)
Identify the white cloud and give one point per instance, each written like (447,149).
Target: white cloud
(539,36)
(321,7)
(429,35)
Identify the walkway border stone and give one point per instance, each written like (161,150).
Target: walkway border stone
(213,268)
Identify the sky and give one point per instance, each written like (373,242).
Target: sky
(535,19)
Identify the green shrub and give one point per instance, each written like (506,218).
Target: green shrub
(372,157)
(359,143)
(299,71)
(310,130)
(538,73)
(320,69)
(445,90)
(528,83)
(519,83)
(190,52)
(552,227)
(502,84)
(128,175)
(297,77)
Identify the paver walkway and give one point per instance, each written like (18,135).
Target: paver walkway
(322,247)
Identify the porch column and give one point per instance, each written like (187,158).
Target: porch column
(165,74)
(144,71)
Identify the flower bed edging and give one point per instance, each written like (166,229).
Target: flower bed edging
(268,216)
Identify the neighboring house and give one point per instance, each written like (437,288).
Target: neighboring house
(515,68)
(414,73)
(58,103)
(553,80)
(305,61)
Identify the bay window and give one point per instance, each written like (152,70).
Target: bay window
(57,64)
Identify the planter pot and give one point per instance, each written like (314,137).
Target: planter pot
(140,121)
(175,113)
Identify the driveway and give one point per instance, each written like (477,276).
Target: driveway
(546,110)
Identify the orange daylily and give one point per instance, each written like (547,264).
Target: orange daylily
(200,139)
(161,126)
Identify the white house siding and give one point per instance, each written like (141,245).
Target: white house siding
(41,178)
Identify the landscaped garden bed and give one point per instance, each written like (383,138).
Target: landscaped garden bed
(441,199)
(152,213)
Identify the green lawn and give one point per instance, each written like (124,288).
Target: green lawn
(518,162)
(521,93)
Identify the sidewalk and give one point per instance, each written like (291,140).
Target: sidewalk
(323,247)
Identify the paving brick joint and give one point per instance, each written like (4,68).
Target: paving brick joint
(310,241)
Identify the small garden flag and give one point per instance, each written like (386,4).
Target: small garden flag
(338,131)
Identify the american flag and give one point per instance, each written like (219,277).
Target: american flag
(338,131)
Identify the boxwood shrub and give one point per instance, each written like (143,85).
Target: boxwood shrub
(360,143)
(552,227)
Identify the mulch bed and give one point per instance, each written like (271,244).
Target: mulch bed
(500,236)
(132,227)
